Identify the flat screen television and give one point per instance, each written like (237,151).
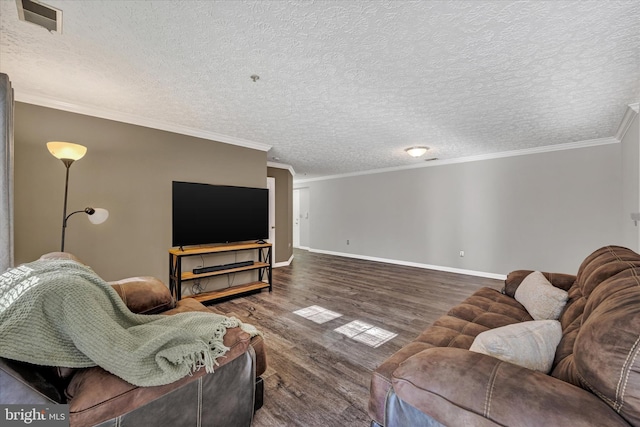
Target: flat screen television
(206,214)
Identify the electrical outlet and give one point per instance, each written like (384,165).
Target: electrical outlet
(347,242)
(461,254)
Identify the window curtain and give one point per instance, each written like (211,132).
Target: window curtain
(6,173)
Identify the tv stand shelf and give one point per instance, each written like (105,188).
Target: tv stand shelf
(263,265)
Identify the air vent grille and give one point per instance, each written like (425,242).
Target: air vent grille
(40,14)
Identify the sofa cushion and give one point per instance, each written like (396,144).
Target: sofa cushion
(528,344)
(542,300)
(144,295)
(462,388)
(571,320)
(603,264)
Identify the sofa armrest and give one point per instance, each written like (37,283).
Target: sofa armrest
(515,278)
(144,295)
(460,387)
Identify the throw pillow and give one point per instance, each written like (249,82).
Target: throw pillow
(542,300)
(529,344)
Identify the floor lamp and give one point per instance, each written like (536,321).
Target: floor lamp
(69,152)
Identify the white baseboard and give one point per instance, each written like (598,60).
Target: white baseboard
(415,264)
(283,263)
(304,248)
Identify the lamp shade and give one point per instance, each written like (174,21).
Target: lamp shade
(416,151)
(66,150)
(99,216)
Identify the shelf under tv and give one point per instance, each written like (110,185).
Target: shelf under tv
(263,266)
(187,275)
(229,292)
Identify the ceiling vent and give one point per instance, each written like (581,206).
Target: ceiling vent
(40,14)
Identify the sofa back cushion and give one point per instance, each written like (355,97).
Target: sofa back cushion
(144,295)
(601,330)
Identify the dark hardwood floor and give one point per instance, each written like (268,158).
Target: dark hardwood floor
(319,377)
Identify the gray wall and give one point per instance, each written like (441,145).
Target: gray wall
(541,211)
(631,184)
(128,170)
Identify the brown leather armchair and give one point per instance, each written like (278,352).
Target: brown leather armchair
(227,397)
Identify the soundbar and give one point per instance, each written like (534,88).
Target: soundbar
(201,270)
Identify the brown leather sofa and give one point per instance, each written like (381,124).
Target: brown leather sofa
(227,397)
(595,378)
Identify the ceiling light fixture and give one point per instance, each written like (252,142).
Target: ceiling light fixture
(416,151)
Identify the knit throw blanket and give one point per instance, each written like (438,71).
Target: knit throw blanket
(60,313)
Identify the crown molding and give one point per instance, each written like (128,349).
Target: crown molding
(118,116)
(491,156)
(282,166)
(630,113)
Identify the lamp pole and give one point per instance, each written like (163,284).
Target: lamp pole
(67,163)
(68,152)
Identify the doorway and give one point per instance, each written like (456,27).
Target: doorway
(296,218)
(301,226)
(271,185)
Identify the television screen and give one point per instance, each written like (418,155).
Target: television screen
(204,213)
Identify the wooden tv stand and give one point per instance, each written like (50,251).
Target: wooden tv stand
(263,265)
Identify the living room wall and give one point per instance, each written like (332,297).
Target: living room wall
(284,213)
(542,211)
(128,170)
(631,182)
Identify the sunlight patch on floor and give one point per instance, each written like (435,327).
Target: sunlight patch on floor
(366,333)
(356,330)
(317,314)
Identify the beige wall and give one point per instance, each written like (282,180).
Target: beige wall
(284,213)
(128,170)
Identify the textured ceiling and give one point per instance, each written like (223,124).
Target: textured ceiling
(344,86)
